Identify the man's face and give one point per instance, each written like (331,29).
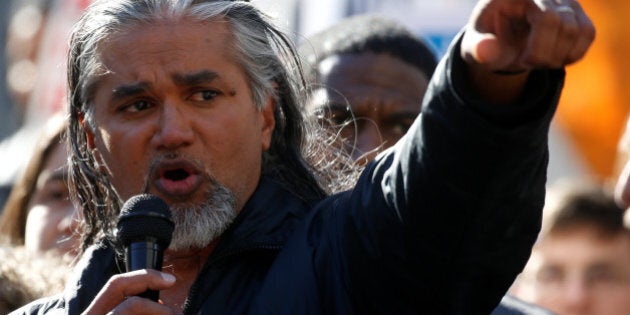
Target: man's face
(381,92)
(52,219)
(580,272)
(173,105)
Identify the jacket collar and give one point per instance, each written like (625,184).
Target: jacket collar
(267,219)
(265,222)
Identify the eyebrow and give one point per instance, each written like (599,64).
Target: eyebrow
(127,90)
(58,175)
(187,79)
(197,78)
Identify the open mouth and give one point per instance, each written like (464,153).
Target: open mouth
(177,179)
(176,175)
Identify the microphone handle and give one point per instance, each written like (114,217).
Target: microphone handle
(144,255)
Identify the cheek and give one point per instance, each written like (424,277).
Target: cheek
(236,155)
(40,229)
(238,148)
(122,160)
(106,148)
(390,136)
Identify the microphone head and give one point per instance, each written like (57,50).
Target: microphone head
(145,217)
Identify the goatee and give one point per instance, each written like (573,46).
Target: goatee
(196,226)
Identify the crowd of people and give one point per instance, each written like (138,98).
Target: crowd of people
(351,174)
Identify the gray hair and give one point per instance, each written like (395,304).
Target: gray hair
(297,151)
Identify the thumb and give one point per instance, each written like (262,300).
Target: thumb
(481,48)
(487,50)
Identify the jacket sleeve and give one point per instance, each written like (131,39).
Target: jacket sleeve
(90,274)
(445,220)
(49,305)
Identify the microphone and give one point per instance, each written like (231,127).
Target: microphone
(145,230)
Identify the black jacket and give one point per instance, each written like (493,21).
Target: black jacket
(439,224)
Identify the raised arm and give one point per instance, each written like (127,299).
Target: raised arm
(458,200)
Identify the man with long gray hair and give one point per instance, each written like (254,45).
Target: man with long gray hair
(199,103)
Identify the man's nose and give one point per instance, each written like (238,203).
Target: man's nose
(174,128)
(368,141)
(576,296)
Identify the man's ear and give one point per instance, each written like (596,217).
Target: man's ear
(89,133)
(269,121)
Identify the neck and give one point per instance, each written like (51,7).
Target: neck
(185,265)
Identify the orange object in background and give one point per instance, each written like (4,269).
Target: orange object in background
(596,99)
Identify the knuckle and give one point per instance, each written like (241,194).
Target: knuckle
(116,282)
(543,60)
(571,30)
(552,19)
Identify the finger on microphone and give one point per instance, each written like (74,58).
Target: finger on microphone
(120,288)
(136,282)
(140,306)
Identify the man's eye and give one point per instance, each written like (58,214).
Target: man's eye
(206,95)
(602,275)
(550,275)
(137,106)
(334,117)
(58,195)
(52,192)
(340,117)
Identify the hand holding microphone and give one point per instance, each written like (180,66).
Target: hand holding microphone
(145,229)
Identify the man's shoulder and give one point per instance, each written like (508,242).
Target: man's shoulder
(511,305)
(94,268)
(49,305)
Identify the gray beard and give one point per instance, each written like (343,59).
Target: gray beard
(196,226)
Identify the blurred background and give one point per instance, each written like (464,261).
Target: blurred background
(591,118)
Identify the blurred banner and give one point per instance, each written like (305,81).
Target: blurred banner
(49,96)
(595,103)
